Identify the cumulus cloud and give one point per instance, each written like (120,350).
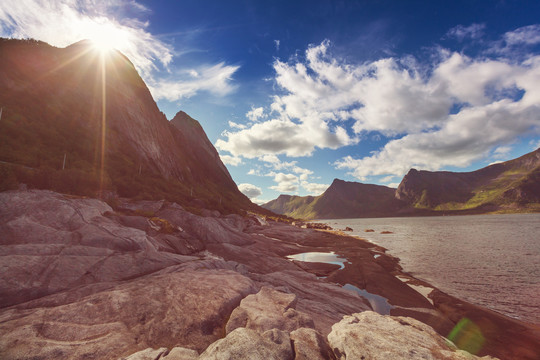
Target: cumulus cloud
(255,114)
(250,190)
(449,112)
(64,22)
(231,160)
(288,176)
(285,182)
(314,188)
(494,114)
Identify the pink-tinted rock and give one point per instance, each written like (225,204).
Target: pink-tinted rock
(268,309)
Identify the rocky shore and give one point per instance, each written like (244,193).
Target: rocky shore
(149,280)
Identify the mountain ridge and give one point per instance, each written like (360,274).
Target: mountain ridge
(93,127)
(511,186)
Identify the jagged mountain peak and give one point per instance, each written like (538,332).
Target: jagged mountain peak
(97,112)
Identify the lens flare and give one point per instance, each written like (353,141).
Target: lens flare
(468,336)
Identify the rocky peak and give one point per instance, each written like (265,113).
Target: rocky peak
(97,111)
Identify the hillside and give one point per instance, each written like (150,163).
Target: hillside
(79,122)
(511,186)
(342,199)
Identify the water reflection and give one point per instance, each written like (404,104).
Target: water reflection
(322,257)
(379,303)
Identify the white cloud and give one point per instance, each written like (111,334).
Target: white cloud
(529,35)
(502,151)
(255,172)
(285,182)
(314,188)
(460,32)
(255,114)
(231,160)
(448,113)
(250,190)
(64,22)
(214,79)
(277,43)
(234,125)
(535,144)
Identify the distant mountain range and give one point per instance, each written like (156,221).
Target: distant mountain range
(77,122)
(512,186)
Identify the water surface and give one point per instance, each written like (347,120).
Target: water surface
(322,257)
(489,260)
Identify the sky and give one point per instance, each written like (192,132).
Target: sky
(296,93)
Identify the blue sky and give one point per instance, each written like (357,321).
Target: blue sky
(297,93)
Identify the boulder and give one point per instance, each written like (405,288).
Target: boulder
(180,353)
(309,344)
(247,344)
(148,354)
(369,335)
(177,353)
(266,310)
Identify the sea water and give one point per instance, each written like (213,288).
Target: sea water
(488,260)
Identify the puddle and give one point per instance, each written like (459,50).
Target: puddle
(322,257)
(378,303)
(423,290)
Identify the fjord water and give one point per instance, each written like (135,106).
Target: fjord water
(488,260)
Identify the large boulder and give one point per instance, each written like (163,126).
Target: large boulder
(309,344)
(371,336)
(266,310)
(247,344)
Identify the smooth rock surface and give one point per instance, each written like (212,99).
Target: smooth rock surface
(177,308)
(308,344)
(247,344)
(371,336)
(266,310)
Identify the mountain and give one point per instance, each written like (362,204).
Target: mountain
(343,199)
(509,186)
(81,122)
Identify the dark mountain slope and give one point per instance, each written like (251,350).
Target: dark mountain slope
(342,199)
(513,184)
(95,111)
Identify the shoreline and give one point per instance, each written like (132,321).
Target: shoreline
(485,260)
(87,280)
(504,336)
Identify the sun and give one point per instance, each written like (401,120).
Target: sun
(106,38)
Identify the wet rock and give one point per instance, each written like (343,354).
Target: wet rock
(369,335)
(247,344)
(268,309)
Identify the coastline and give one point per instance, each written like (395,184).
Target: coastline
(83,280)
(504,337)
